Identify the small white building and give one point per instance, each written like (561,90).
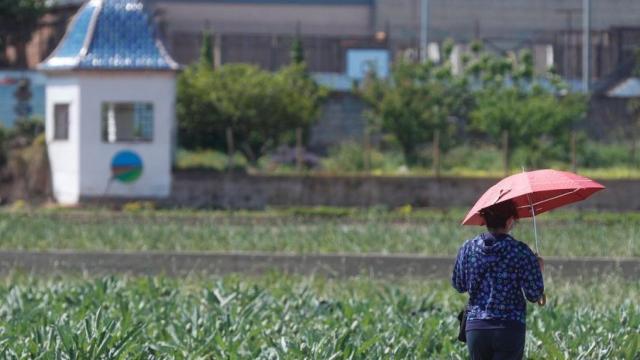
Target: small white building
(110,106)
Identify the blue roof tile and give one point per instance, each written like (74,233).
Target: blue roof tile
(113,35)
(74,41)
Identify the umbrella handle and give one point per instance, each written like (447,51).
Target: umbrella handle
(543,300)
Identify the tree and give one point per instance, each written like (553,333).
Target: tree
(634,108)
(297,51)
(537,113)
(198,115)
(262,108)
(416,100)
(206,51)
(490,92)
(18,20)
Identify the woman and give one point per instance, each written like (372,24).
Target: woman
(498,272)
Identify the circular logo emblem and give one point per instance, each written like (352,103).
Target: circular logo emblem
(126,166)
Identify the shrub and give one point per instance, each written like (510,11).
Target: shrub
(350,157)
(139,206)
(474,157)
(593,154)
(263,109)
(207,159)
(415,101)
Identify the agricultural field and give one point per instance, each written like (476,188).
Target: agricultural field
(568,233)
(277,316)
(282,317)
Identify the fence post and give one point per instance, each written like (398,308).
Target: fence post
(574,152)
(299,160)
(230,149)
(367,150)
(436,153)
(505,151)
(217,50)
(635,129)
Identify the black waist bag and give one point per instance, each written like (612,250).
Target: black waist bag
(462,317)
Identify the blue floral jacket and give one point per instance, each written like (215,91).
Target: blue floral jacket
(498,272)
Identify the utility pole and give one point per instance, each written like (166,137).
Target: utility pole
(586,44)
(424,26)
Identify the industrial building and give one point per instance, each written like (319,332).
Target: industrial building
(340,37)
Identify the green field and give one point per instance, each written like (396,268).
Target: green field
(319,230)
(276,316)
(281,317)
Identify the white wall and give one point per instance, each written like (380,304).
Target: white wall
(96,155)
(64,155)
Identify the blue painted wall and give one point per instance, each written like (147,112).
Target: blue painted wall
(8,100)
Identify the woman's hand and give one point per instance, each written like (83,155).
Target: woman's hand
(543,300)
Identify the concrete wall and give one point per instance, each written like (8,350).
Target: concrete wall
(203,189)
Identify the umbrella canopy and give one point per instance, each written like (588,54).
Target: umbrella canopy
(534,192)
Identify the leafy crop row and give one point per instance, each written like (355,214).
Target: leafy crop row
(566,234)
(281,317)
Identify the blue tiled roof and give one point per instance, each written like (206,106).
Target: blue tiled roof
(113,35)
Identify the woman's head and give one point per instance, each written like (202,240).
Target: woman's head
(500,217)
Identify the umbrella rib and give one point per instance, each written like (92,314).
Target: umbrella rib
(550,199)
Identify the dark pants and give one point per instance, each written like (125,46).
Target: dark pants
(496,344)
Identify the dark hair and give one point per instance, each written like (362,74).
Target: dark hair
(496,216)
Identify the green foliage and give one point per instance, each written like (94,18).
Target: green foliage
(633,107)
(199,115)
(206,159)
(536,117)
(27,129)
(600,155)
(474,157)
(139,206)
(416,100)
(538,123)
(263,109)
(206,51)
(302,231)
(4,145)
(492,93)
(349,157)
(297,51)
(284,317)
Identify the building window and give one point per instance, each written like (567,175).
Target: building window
(61,122)
(127,122)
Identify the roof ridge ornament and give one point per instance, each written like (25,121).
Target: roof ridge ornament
(92,27)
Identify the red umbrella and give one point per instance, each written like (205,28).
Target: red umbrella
(533,193)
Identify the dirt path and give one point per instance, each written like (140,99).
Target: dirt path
(334,265)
